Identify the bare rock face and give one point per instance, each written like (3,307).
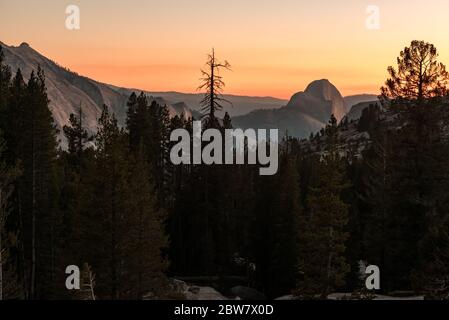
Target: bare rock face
(306,112)
(353,100)
(356,111)
(68,90)
(320,100)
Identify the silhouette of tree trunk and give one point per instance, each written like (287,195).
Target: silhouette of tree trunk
(213,83)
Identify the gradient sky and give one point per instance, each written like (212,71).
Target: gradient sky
(276,47)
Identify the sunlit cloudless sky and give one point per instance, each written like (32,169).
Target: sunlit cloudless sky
(276,47)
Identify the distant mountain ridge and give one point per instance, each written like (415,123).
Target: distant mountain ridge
(306,111)
(351,101)
(241,104)
(67,90)
(356,111)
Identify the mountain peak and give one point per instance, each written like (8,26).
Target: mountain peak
(322,81)
(319,100)
(323,89)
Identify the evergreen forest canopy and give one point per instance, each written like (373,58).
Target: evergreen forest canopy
(133,221)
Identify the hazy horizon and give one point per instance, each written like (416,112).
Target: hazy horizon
(174,91)
(275,49)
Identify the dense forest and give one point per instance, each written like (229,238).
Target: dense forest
(113,203)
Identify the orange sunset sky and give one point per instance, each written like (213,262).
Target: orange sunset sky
(275,47)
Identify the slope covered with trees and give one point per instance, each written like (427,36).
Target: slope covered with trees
(367,191)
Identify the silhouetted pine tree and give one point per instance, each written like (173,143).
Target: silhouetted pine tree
(375,192)
(418,75)
(76,135)
(423,178)
(127,224)
(322,226)
(276,214)
(5,81)
(107,207)
(414,95)
(149,129)
(139,122)
(74,166)
(146,239)
(212,82)
(13,110)
(9,283)
(33,141)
